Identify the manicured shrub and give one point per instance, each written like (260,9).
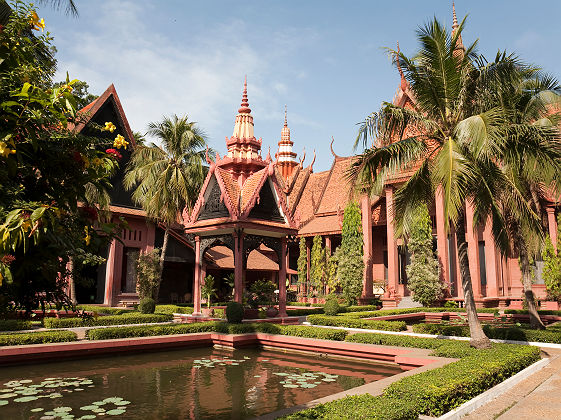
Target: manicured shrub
(331,306)
(147,306)
(339,321)
(132,318)
(313,332)
(234,312)
(450,304)
(304,311)
(174,309)
(14,324)
(359,308)
(525,312)
(149,330)
(104,309)
(18,339)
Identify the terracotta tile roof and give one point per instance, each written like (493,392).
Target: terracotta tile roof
(310,196)
(223,258)
(322,225)
(335,195)
(231,188)
(297,188)
(251,188)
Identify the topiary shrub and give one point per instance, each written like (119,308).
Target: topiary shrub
(234,312)
(331,306)
(450,304)
(147,306)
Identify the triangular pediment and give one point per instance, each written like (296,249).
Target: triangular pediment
(213,207)
(267,206)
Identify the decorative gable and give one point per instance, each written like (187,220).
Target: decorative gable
(213,207)
(267,207)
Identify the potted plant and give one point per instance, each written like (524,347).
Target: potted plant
(208,291)
(272,311)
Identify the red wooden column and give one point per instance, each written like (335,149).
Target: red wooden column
(197,279)
(442,238)
(491,261)
(308,264)
(393,274)
(328,250)
(112,273)
(552,225)
(473,252)
(366,211)
(238,267)
(282,279)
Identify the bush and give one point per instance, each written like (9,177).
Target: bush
(234,312)
(104,309)
(304,311)
(150,330)
(450,304)
(147,306)
(148,274)
(331,306)
(174,309)
(14,324)
(525,312)
(18,339)
(132,318)
(339,321)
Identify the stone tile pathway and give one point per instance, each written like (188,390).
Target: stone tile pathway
(537,397)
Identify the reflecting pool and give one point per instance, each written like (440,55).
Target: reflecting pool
(205,383)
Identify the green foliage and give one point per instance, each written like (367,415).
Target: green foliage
(14,325)
(147,305)
(302,262)
(132,318)
(234,312)
(104,309)
(423,273)
(350,254)
(304,311)
(318,269)
(525,312)
(18,339)
(340,321)
(41,226)
(450,304)
(261,292)
(80,92)
(171,309)
(208,290)
(552,266)
(331,306)
(148,274)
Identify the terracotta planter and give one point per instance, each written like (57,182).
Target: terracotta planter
(250,313)
(207,311)
(272,312)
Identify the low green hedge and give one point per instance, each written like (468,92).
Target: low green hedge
(223,327)
(304,311)
(434,392)
(525,312)
(132,318)
(400,311)
(550,335)
(17,339)
(14,324)
(177,309)
(340,321)
(104,309)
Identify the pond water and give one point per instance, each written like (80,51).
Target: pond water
(205,383)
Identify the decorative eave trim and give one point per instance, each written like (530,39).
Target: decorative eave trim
(189,219)
(282,201)
(255,194)
(228,201)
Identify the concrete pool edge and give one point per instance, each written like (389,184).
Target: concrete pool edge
(406,358)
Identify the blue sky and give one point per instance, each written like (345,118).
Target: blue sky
(323,59)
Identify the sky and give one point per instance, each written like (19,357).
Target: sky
(325,60)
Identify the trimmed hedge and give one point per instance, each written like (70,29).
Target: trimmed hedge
(550,335)
(525,312)
(105,309)
(132,318)
(14,324)
(171,309)
(39,337)
(386,312)
(304,311)
(341,321)
(434,392)
(213,326)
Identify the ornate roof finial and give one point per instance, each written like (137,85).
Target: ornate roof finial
(455,19)
(244,108)
(313,161)
(331,146)
(403,84)
(285,122)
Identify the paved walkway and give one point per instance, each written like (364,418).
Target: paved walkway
(537,397)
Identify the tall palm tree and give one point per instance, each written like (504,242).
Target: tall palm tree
(452,139)
(167,178)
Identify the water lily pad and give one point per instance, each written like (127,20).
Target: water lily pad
(328,380)
(98,410)
(10,395)
(79,389)
(26,399)
(87,417)
(98,403)
(257,376)
(91,386)
(280,373)
(121,403)
(88,407)
(55,395)
(116,412)
(37,410)
(47,417)
(112,399)
(3,402)
(290,386)
(62,409)
(25,381)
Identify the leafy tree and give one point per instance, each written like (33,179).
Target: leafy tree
(423,273)
(45,171)
(350,254)
(332,266)
(80,92)
(167,178)
(148,273)
(552,265)
(303,262)
(208,290)
(317,264)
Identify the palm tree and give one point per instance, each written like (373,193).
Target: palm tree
(452,139)
(167,178)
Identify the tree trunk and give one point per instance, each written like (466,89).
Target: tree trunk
(478,338)
(162,260)
(526,270)
(73,297)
